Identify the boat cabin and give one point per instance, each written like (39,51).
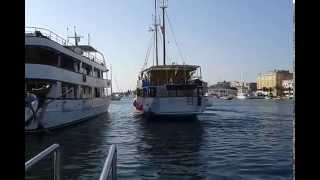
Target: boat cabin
(170,74)
(60,70)
(171,81)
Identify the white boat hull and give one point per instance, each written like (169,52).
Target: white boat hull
(64,112)
(241,97)
(172,106)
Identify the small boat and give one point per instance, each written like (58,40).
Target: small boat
(226,97)
(116,97)
(267,97)
(277,98)
(242,95)
(255,97)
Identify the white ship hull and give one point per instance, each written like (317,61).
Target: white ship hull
(171,106)
(241,97)
(65,112)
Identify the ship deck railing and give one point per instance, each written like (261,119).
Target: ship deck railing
(56,159)
(46,33)
(109,171)
(147,83)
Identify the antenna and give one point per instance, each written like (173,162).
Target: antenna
(76,38)
(111,77)
(88,39)
(67,34)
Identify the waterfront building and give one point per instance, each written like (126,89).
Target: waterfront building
(287,86)
(272,81)
(235,84)
(252,87)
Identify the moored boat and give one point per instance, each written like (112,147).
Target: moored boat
(64,83)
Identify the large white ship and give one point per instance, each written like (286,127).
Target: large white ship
(170,90)
(64,83)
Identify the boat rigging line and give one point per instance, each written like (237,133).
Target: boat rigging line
(148,53)
(174,37)
(115,80)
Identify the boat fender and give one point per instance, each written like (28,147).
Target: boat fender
(28,103)
(137,105)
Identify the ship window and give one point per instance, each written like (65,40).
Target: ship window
(37,55)
(172,93)
(97,73)
(185,93)
(68,90)
(144,92)
(67,63)
(85,92)
(152,92)
(87,68)
(97,92)
(139,92)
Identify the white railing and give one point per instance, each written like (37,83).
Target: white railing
(46,33)
(110,166)
(56,161)
(109,169)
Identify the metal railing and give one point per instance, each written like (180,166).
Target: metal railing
(46,33)
(49,34)
(110,166)
(56,161)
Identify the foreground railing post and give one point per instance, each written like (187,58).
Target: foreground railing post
(114,166)
(56,163)
(56,159)
(110,165)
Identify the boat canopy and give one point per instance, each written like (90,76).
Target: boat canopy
(169,74)
(172,67)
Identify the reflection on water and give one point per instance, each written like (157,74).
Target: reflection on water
(250,139)
(170,147)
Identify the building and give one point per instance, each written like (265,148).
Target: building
(222,89)
(272,81)
(252,87)
(235,84)
(287,86)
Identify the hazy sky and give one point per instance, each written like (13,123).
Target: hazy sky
(225,37)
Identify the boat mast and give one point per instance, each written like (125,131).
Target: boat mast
(76,38)
(164,5)
(111,78)
(156,29)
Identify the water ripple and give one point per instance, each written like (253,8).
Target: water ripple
(230,140)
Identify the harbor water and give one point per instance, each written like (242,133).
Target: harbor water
(233,139)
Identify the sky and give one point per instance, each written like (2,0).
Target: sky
(226,38)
